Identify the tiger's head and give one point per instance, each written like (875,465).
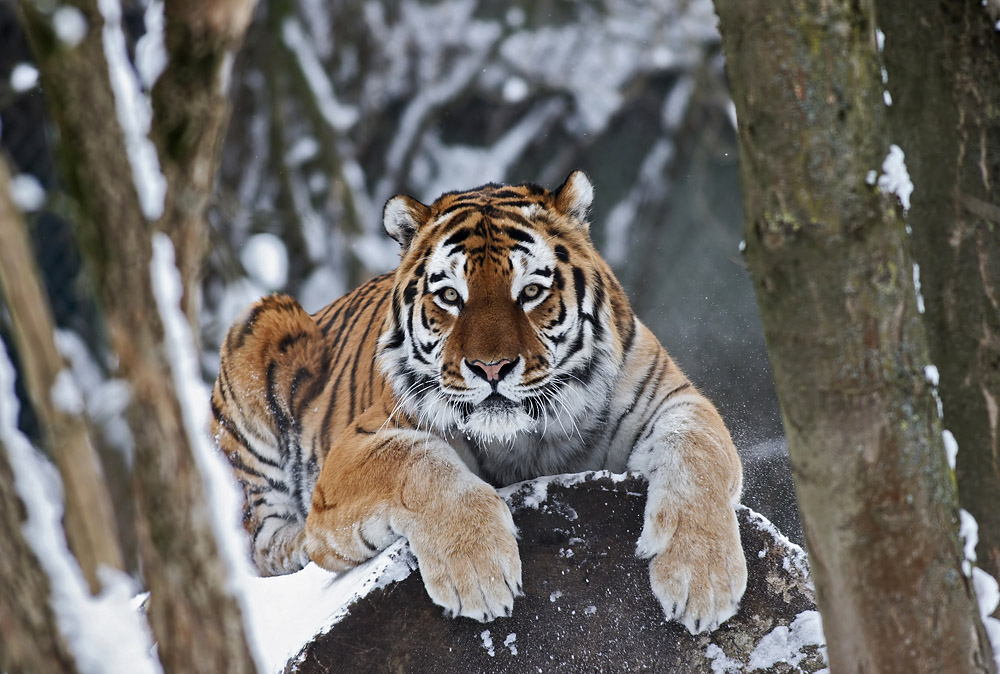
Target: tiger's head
(504,318)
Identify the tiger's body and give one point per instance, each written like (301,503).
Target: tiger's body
(502,348)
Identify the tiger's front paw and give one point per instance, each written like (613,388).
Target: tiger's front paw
(698,570)
(468,558)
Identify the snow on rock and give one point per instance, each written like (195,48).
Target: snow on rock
(26,192)
(787,644)
(103,632)
(589,611)
(488,642)
(134,113)
(895,178)
(721,663)
(288,611)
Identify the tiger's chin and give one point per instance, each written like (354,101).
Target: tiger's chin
(497,421)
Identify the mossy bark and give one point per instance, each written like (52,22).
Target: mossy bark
(196,622)
(943,67)
(829,257)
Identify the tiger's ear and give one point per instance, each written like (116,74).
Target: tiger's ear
(402,217)
(575,196)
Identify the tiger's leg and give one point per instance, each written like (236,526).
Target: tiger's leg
(697,568)
(378,485)
(269,361)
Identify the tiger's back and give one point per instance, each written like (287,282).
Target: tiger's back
(288,384)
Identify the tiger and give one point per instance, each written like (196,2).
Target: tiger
(501,349)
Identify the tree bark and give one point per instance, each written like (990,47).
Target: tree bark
(90,525)
(191,112)
(828,254)
(196,622)
(943,70)
(30,640)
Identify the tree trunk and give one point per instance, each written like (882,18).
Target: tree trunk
(944,76)
(90,525)
(196,622)
(191,111)
(828,254)
(30,640)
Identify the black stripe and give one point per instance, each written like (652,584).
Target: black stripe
(518,234)
(376,312)
(458,237)
(231,428)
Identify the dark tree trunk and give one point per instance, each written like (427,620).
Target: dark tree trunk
(828,254)
(944,76)
(196,622)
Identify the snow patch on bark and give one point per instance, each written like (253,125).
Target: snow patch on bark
(103,632)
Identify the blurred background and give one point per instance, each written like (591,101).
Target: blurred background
(339,105)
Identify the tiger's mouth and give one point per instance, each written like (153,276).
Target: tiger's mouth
(497,401)
(497,418)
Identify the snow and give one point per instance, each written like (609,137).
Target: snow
(106,399)
(288,611)
(266,260)
(134,114)
(968,531)
(150,50)
(104,634)
(932,375)
(223,497)
(23,76)
(988,597)
(887,97)
(510,643)
(950,447)
(895,178)
(788,644)
(26,192)
(879,39)
(340,117)
(916,289)
(488,642)
(721,663)
(70,25)
(65,395)
(515,90)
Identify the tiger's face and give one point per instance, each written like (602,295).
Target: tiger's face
(496,323)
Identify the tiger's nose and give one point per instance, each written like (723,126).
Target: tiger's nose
(492,372)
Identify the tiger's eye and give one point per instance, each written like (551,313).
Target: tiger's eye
(531,291)
(449,296)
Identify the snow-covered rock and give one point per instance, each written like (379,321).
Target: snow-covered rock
(587,605)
